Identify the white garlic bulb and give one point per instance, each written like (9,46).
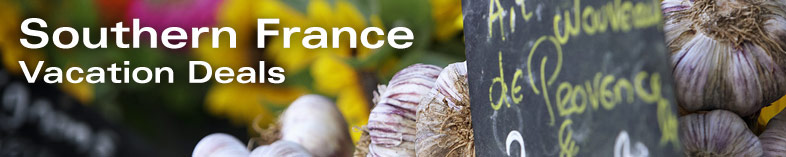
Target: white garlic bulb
(773,139)
(280,149)
(444,122)
(391,124)
(219,145)
(717,133)
(315,123)
(727,54)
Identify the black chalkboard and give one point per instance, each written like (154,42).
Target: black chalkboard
(37,119)
(569,78)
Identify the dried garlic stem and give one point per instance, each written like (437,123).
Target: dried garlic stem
(444,124)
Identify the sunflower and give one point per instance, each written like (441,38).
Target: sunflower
(12,50)
(770,111)
(241,103)
(448,20)
(329,68)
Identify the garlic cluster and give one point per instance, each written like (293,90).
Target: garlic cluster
(717,133)
(424,111)
(311,126)
(224,145)
(444,122)
(280,149)
(773,139)
(219,144)
(391,124)
(727,54)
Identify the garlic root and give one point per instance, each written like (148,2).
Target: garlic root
(444,122)
(361,148)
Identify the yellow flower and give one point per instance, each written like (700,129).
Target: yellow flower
(319,14)
(376,21)
(82,92)
(12,50)
(293,59)
(10,15)
(447,18)
(241,103)
(354,106)
(297,57)
(236,14)
(332,75)
(770,111)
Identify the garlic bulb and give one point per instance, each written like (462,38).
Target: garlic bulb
(773,139)
(391,124)
(717,133)
(219,145)
(444,122)
(315,123)
(727,54)
(280,149)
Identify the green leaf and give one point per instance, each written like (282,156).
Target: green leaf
(413,14)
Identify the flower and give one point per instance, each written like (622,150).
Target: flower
(329,68)
(770,111)
(447,18)
(12,50)
(83,92)
(354,106)
(173,13)
(332,75)
(319,13)
(240,103)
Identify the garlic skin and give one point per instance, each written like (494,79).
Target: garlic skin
(280,149)
(773,139)
(219,145)
(727,54)
(717,133)
(315,123)
(444,122)
(776,23)
(391,124)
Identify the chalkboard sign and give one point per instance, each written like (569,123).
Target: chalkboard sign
(569,78)
(39,120)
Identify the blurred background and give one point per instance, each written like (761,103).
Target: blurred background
(169,119)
